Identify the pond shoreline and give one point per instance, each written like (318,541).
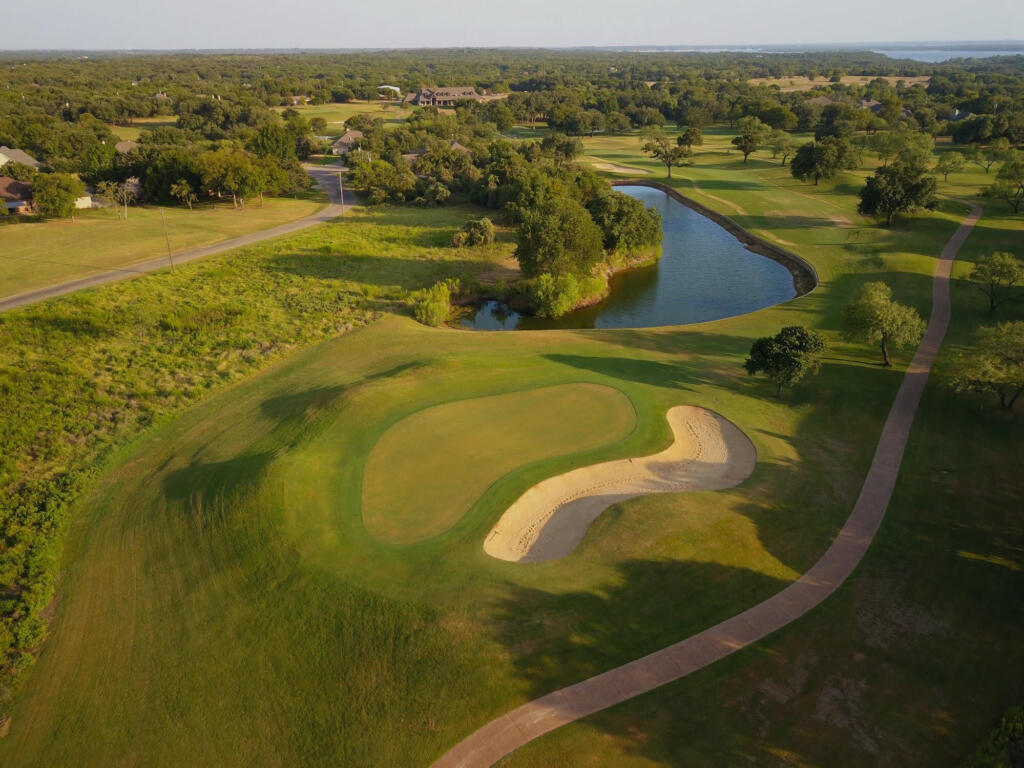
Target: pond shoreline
(805,277)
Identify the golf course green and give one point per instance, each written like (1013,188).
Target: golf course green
(409,494)
(291,571)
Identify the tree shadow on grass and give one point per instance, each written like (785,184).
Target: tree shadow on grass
(310,403)
(676,376)
(726,184)
(685,340)
(560,638)
(214,488)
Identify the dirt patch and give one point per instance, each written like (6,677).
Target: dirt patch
(886,618)
(507,269)
(550,520)
(839,705)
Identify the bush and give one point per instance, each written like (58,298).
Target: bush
(433,306)
(552,296)
(480,232)
(1004,747)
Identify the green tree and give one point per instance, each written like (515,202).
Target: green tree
(627,225)
(690,137)
(227,172)
(781,143)
(54,194)
(823,159)
(786,357)
(273,140)
(752,133)
(885,144)
(995,275)
(183,192)
(873,317)
(558,238)
(950,162)
(19,171)
(997,151)
(900,188)
(660,147)
(995,363)
(1009,183)
(565,149)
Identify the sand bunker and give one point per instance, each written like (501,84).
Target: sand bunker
(604,165)
(551,519)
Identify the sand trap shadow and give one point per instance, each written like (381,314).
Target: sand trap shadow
(550,520)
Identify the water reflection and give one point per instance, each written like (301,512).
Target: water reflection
(704,273)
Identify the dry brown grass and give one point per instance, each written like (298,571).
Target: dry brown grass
(801,83)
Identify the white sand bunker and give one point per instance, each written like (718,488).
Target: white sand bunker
(607,165)
(551,519)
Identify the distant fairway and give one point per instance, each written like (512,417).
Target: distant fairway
(428,469)
(336,114)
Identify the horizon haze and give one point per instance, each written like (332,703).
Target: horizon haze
(193,25)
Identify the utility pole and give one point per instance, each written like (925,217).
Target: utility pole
(341,191)
(167,239)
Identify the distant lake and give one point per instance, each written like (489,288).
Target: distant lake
(935,55)
(704,273)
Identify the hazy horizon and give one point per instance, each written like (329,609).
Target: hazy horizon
(112,25)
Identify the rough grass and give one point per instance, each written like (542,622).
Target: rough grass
(37,254)
(224,602)
(426,471)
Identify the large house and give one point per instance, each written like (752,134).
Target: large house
(16,196)
(346,143)
(442,97)
(8,155)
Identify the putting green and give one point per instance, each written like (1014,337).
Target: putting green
(427,470)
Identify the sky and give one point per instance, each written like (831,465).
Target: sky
(175,24)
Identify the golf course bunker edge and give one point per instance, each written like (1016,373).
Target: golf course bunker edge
(708,453)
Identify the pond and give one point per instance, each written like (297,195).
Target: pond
(704,273)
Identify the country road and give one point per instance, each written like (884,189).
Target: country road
(324,175)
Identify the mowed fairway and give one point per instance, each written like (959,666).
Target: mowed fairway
(336,114)
(225,601)
(37,254)
(428,469)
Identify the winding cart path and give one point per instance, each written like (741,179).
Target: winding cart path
(533,719)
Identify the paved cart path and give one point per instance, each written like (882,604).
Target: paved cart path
(523,724)
(326,176)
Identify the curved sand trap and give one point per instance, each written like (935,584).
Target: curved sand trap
(607,165)
(551,519)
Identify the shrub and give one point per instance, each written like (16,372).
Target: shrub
(1004,747)
(433,306)
(553,296)
(480,232)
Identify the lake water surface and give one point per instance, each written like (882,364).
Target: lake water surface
(704,273)
(936,55)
